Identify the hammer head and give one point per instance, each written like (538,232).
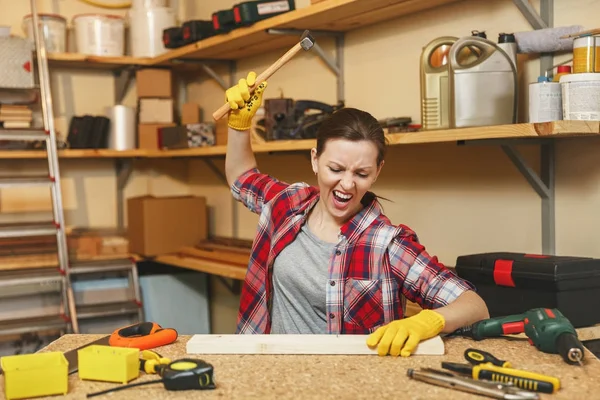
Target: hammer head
(307,41)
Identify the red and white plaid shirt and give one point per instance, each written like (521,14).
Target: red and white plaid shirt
(374,267)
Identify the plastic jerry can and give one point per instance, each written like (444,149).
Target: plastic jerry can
(435,87)
(483,89)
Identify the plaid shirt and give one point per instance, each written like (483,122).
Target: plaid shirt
(374,268)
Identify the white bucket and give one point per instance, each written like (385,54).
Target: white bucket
(54,31)
(100,35)
(581,96)
(146,30)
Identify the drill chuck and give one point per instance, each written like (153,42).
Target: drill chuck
(575,354)
(570,348)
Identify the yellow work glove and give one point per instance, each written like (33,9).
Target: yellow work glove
(402,336)
(243,105)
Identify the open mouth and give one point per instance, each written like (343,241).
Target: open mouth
(342,197)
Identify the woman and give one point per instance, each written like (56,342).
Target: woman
(325,259)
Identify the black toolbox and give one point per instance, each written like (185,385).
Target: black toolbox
(512,283)
(249,12)
(223,21)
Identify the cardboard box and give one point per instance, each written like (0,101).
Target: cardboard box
(148,135)
(190,114)
(161,225)
(154,82)
(155,111)
(221,129)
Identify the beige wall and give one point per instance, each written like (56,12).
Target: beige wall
(458,199)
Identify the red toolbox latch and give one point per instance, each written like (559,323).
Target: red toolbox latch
(503,273)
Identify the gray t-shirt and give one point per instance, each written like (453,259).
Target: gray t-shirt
(300,276)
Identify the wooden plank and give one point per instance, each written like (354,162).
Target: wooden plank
(207,266)
(217,255)
(76,60)
(512,131)
(296,344)
(339,15)
(73,153)
(375,16)
(50,260)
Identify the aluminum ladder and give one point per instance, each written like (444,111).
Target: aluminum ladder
(66,321)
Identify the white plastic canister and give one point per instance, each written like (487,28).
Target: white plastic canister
(136,4)
(100,34)
(54,31)
(581,96)
(146,30)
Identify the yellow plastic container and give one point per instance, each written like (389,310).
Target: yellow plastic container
(35,375)
(108,363)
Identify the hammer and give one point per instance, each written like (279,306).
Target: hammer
(306,43)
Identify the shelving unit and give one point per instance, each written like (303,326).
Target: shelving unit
(328,18)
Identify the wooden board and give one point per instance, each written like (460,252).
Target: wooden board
(207,266)
(224,256)
(332,15)
(545,130)
(76,60)
(296,344)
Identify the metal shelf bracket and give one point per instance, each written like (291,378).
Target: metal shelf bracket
(123,78)
(123,169)
(335,65)
(542,20)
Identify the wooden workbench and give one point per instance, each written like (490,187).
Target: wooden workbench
(339,377)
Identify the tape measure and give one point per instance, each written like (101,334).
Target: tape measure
(187,374)
(183,374)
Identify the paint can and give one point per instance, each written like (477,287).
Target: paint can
(581,96)
(100,34)
(146,28)
(586,57)
(122,135)
(545,101)
(53,30)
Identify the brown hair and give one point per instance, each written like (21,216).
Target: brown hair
(352,124)
(356,125)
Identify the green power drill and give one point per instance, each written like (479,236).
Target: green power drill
(547,329)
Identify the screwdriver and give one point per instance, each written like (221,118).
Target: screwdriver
(521,379)
(476,356)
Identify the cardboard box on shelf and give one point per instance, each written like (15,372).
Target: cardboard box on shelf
(155,111)
(154,82)
(190,114)
(148,135)
(161,225)
(221,129)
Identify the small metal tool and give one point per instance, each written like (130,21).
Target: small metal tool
(495,390)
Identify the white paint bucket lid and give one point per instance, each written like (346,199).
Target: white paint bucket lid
(42,15)
(580,77)
(111,16)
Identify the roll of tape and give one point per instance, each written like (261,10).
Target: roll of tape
(122,127)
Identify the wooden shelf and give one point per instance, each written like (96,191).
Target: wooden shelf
(75,60)
(210,267)
(330,15)
(73,153)
(549,130)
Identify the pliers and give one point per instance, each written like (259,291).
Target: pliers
(494,390)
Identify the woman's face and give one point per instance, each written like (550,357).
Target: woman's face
(345,171)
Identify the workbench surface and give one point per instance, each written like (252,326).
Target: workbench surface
(338,377)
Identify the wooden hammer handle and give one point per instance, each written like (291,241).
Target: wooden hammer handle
(266,74)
